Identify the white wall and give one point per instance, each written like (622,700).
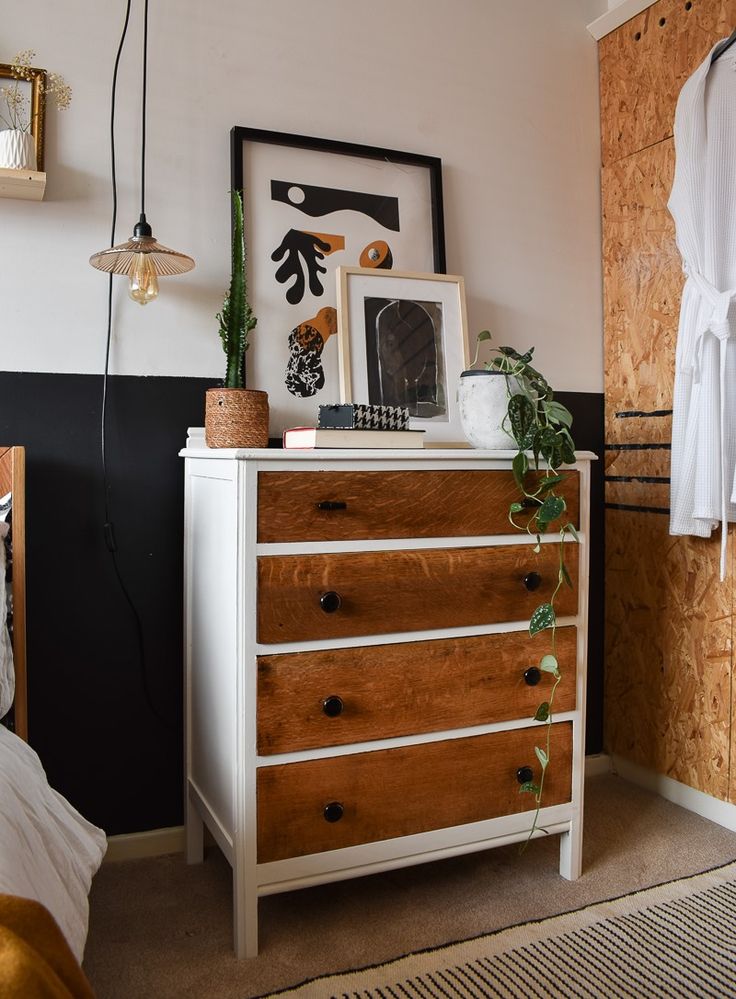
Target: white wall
(505,93)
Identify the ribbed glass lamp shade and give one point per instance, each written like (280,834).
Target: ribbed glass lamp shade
(121,259)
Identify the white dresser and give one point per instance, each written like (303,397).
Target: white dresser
(360,680)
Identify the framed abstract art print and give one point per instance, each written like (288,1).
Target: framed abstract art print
(313,205)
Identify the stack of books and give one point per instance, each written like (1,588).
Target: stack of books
(350,425)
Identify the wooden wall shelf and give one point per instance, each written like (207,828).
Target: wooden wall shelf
(28,185)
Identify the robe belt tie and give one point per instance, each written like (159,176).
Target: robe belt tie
(719,325)
(718,322)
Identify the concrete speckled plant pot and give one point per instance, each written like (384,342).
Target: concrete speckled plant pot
(482,402)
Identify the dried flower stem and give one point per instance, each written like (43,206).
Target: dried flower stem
(17,114)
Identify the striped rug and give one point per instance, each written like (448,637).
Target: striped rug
(675,940)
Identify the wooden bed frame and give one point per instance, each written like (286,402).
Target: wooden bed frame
(12,479)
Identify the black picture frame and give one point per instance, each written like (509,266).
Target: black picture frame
(293,354)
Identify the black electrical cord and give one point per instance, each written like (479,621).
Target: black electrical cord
(109,530)
(143,109)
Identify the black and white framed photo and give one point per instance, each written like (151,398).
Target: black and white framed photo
(312,205)
(403,341)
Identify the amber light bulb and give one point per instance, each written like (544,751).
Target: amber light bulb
(143,286)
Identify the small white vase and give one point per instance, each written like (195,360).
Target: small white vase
(17,150)
(482,402)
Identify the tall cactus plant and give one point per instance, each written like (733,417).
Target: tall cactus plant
(236,319)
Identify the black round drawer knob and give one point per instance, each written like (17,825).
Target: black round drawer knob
(532,676)
(333,811)
(524,775)
(332,706)
(532,581)
(330,601)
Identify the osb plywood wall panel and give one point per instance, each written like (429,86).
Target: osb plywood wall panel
(669,683)
(644,64)
(668,644)
(642,274)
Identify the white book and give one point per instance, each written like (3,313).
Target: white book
(315,437)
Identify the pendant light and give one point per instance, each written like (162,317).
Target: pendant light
(142,257)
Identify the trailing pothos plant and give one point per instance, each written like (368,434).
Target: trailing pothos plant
(540,427)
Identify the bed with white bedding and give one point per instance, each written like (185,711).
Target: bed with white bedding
(48,851)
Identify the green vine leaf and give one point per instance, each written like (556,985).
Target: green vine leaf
(542,712)
(543,617)
(516,507)
(522,418)
(567,449)
(557,413)
(565,575)
(515,355)
(548,444)
(529,787)
(551,509)
(549,482)
(549,664)
(520,466)
(570,528)
(542,757)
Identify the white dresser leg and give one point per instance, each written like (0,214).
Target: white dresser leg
(571,852)
(245,919)
(194,832)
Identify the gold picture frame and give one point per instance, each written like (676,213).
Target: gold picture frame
(37,84)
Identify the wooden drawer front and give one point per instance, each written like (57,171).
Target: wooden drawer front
(312,699)
(392,591)
(408,504)
(398,792)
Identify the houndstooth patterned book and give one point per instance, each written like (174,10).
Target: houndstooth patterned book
(359,416)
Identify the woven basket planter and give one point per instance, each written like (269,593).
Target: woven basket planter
(236,418)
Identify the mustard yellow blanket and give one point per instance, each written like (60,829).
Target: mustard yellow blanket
(35,959)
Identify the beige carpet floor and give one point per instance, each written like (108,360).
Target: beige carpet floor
(675,939)
(161,929)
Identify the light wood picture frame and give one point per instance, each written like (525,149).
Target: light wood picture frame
(403,341)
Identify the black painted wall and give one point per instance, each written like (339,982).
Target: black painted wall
(111,742)
(587,431)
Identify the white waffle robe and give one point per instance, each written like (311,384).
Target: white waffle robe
(703,204)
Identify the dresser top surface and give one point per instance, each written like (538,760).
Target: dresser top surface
(196,448)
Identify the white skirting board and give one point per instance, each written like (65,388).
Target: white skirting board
(156,842)
(151,843)
(720,812)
